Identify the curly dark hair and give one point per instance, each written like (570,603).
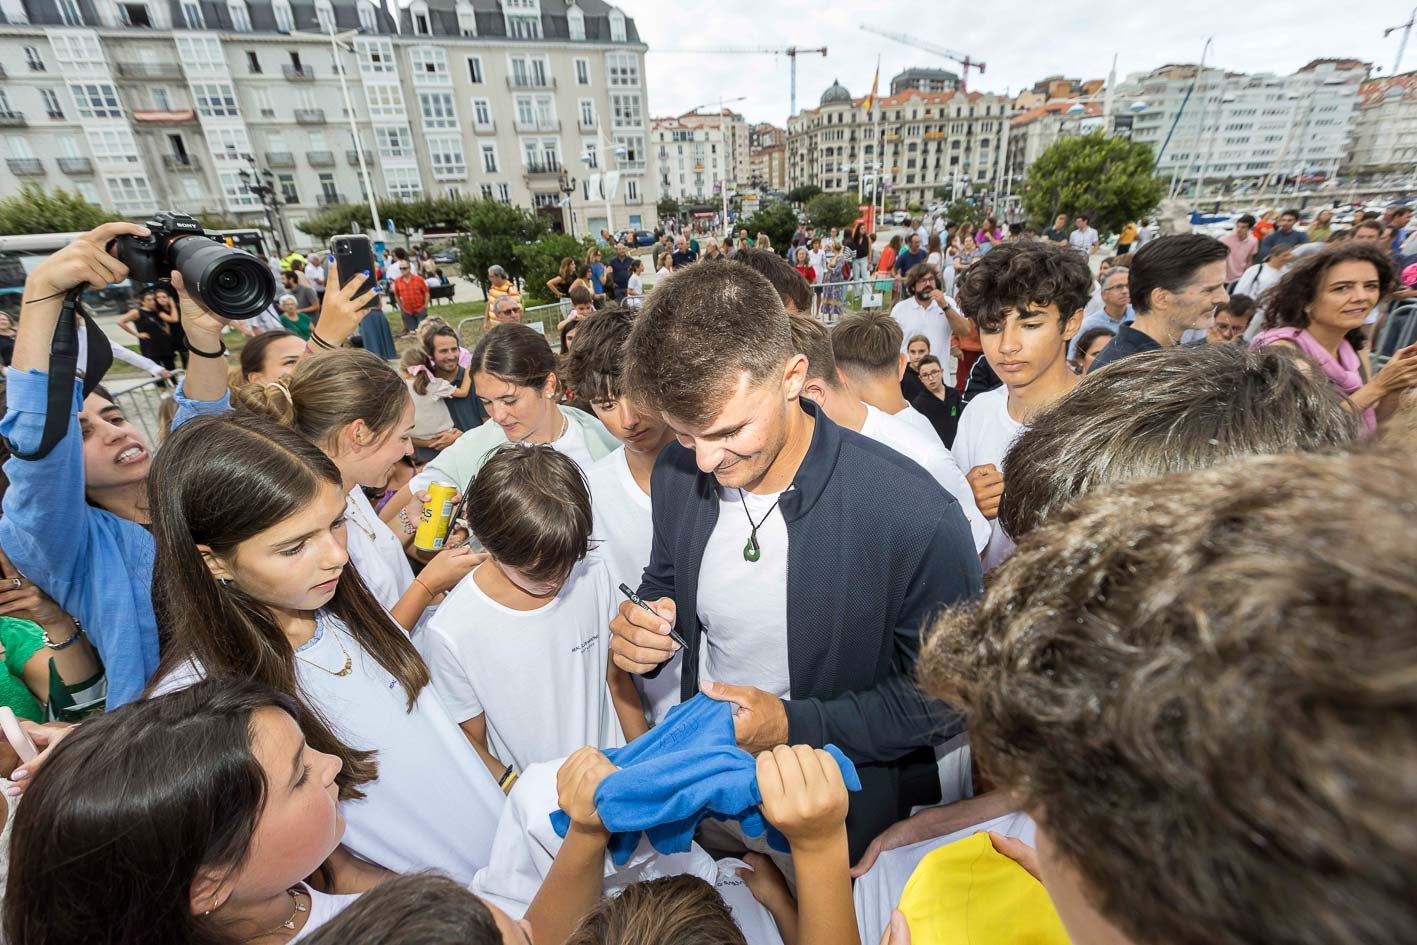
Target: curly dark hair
(1017,275)
(1205,687)
(1285,303)
(593,367)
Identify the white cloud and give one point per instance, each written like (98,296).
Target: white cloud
(1021,42)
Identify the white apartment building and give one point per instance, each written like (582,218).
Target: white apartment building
(147,104)
(698,152)
(1385,128)
(1239,127)
(916,141)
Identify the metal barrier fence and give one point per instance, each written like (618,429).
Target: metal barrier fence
(834,300)
(542,318)
(1398,330)
(142,404)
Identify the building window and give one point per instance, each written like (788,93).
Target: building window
(403,182)
(504,193)
(130,193)
(582,72)
(201,54)
(446,156)
(587,113)
(261,99)
(632,189)
(134,14)
(253,62)
(420,24)
(429,64)
(285,19)
(113,146)
(328,191)
(481,113)
(51,103)
(474,69)
(486,191)
(192,15)
(162,99)
(633,147)
(368,18)
(489,158)
(530,72)
(467,18)
(97,100)
(394,142)
(575,20)
(69,13)
(617,26)
(33,60)
(592,155)
(385,101)
(625,111)
(376,57)
(438,111)
(215,99)
(288,193)
(19,148)
(524,27)
(623,69)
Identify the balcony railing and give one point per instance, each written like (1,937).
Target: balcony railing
(75,165)
(583,125)
(530,82)
(297,73)
(179,162)
(485,128)
(10,119)
(352,156)
(320,158)
(25,167)
(327,200)
(280,159)
(549,125)
(55,114)
(150,70)
(310,116)
(534,168)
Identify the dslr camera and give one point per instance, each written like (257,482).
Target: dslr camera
(227,281)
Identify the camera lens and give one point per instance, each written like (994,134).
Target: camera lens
(231,283)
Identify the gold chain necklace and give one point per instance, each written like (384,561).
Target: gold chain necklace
(357,519)
(348,666)
(295,892)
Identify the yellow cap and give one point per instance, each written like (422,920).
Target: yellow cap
(968,893)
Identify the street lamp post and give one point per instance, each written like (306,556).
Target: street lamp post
(567,185)
(261,185)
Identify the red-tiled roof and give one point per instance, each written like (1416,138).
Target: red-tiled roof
(1054,107)
(1376,91)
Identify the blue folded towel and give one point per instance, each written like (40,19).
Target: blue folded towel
(685,769)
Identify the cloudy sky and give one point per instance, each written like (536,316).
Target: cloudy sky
(1021,42)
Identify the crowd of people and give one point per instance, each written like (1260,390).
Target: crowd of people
(1041,606)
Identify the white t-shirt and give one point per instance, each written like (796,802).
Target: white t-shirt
(917,421)
(931,455)
(743,604)
(624,526)
(817,259)
(636,291)
(1083,239)
(316,275)
(435,805)
(986,431)
(323,908)
(538,676)
(380,560)
(928,320)
(430,410)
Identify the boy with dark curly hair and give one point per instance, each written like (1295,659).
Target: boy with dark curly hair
(1028,300)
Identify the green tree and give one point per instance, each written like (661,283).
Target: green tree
(540,261)
(667,207)
(1108,178)
(941,192)
(340,218)
(34,210)
(221,221)
(962,211)
(832,210)
(498,236)
(803,193)
(777,221)
(408,215)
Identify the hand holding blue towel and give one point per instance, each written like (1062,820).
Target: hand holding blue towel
(685,769)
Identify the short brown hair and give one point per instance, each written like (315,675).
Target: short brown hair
(414,909)
(530,508)
(1186,408)
(580,295)
(1204,686)
(814,342)
(867,344)
(684,910)
(914,338)
(698,333)
(790,284)
(597,360)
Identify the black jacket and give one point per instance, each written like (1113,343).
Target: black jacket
(875,546)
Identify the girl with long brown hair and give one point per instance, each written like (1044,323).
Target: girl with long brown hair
(251,577)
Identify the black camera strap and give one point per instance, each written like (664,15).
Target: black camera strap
(63,368)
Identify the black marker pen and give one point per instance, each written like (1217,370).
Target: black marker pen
(635,599)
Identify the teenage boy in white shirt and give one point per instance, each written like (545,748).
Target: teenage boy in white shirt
(1027,299)
(519,650)
(623,528)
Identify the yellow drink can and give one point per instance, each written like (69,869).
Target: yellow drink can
(437,517)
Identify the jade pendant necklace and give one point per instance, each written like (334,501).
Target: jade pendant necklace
(751,551)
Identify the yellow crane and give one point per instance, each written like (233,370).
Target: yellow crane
(791,52)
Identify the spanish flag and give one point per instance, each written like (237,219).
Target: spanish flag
(875,82)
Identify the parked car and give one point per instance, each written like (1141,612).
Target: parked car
(900,217)
(450,255)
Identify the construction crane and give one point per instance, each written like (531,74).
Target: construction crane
(791,52)
(966,62)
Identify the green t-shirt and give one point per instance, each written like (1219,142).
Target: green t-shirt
(1057,236)
(301,324)
(21,639)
